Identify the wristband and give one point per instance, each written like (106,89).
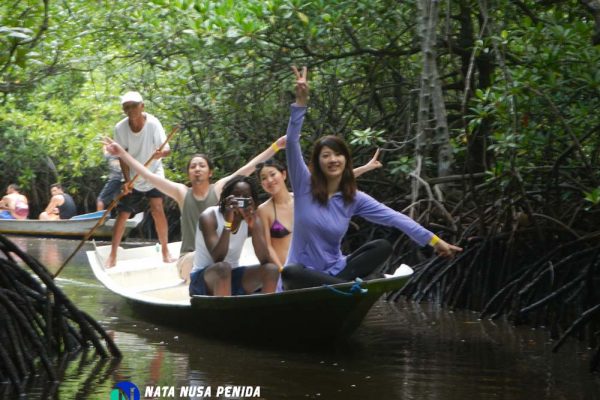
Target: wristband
(227,225)
(434,240)
(275,148)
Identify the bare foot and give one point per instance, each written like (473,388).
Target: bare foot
(167,257)
(111,261)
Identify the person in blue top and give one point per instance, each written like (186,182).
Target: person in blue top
(325,199)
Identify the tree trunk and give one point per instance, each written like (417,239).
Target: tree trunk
(430,99)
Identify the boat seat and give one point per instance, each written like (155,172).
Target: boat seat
(127,275)
(133,253)
(178,293)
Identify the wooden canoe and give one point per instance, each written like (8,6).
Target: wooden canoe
(74,228)
(311,315)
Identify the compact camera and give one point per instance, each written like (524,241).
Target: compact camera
(242,202)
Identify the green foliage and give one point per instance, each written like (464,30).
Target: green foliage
(366,137)
(19,22)
(593,196)
(403,165)
(220,69)
(547,103)
(57,139)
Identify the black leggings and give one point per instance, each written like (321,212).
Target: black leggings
(359,264)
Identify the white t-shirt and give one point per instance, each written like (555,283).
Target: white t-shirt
(203,258)
(141,145)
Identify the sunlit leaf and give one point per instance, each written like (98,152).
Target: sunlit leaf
(302,17)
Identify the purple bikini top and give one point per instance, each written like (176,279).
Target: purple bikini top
(277,229)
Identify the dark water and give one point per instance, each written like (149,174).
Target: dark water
(402,351)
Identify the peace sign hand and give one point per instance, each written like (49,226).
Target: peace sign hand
(374,163)
(301,86)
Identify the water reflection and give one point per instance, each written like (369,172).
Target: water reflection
(47,251)
(86,372)
(402,351)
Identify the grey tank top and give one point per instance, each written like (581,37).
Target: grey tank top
(190,215)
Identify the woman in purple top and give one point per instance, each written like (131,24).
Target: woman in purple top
(325,199)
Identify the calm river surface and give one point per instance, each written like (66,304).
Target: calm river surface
(402,351)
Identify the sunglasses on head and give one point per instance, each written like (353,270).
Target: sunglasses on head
(269,163)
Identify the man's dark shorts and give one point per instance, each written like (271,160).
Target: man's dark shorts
(198,285)
(135,201)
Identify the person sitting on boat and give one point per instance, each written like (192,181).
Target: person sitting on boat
(277,213)
(192,201)
(14,205)
(61,205)
(220,236)
(326,198)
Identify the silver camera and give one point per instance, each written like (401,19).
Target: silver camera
(242,202)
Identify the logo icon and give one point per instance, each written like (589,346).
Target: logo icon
(125,390)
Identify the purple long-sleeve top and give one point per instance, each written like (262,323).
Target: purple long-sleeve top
(319,229)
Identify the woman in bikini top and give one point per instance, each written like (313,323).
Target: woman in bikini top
(272,175)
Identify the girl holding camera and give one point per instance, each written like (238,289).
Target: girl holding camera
(220,238)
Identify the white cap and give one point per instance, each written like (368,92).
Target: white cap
(134,97)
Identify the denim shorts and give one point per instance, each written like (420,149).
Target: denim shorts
(110,190)
(198,285)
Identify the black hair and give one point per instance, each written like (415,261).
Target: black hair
(318,179)
(271,162)
(200,155)
(228,189)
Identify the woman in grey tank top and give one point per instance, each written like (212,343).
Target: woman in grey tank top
(194,199)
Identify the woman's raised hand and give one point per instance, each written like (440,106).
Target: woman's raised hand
(301,86)
(112,147)
(281,142)
(374,162)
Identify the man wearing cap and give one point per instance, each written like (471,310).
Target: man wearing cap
(140,134)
